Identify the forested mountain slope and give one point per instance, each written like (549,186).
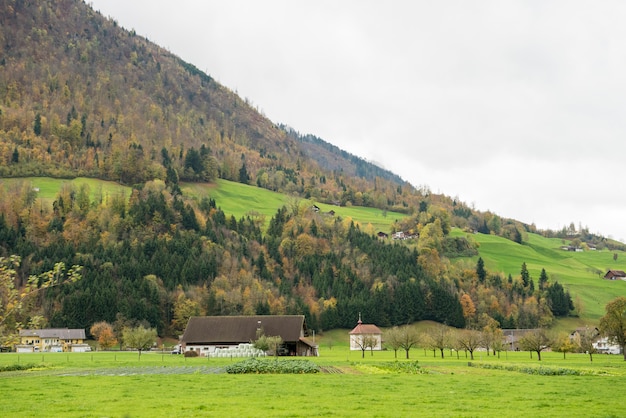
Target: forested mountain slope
(81,96)
(159,257)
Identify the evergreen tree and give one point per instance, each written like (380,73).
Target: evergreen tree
(559,301)
(37,125)
(543,279)
(525,275)
(193,164)
(243,174)
(480,270)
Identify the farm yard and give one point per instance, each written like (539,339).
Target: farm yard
(117,384)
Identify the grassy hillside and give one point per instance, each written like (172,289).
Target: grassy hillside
(240,199)
(48,188)
(579,272)
(233,198)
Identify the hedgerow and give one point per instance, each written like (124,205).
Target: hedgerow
(401,367)
(17,367)
(541,370)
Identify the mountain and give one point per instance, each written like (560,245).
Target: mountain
(81,96)
(331,157)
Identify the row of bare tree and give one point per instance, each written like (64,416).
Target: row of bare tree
(440,338)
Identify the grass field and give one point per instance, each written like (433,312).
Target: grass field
(576,271)
(161,385)
(239,199)
(233,198)
(48,188)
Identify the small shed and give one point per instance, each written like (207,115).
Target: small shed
(366,336)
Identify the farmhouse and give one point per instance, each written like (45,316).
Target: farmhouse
(51,339)
(212,335)
(571,248)
(615,275)
(605,346)
(366,336)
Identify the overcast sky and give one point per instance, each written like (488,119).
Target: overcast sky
(517,107)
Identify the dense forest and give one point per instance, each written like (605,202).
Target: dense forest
(81,96)
(160,258)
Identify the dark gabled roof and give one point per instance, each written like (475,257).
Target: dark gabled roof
(241,329)
(60,333)
(615,273)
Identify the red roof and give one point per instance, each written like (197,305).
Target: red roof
(366,329)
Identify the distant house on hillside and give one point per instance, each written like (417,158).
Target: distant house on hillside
(402,235)
(364,335)
(211,335)
(615,275)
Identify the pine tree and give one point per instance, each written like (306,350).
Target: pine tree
(525,275)
(243,174)
(543,279)
(480,270)
(37,125)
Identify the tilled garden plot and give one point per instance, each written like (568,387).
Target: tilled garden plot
(134,371)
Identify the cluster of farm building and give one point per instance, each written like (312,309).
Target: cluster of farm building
(233,336)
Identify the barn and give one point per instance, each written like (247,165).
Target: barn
(214,335)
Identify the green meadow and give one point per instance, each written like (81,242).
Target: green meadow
(240,200)
(48,188)
(579,272)
(233,198)
(122,384)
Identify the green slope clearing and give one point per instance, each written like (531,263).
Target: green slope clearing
(579,272)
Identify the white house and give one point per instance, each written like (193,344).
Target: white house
(604,346)
(366,336)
